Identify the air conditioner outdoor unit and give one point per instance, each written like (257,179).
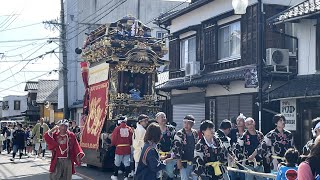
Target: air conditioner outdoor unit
(277,57)
(192,68)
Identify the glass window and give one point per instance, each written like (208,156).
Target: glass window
(16,105)
(160,34)
(229,41)
(188,51)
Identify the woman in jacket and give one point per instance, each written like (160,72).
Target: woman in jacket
(150,163)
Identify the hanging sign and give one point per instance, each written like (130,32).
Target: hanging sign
(96,117)
(289,109)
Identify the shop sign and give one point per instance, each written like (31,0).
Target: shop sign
(289,109)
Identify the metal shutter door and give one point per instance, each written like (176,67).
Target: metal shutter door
(181,110)
(234,106)
(246,103)
(222,109)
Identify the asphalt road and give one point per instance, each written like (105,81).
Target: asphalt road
(30,169)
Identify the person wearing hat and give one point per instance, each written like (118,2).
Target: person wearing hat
(38,131)
(138,138)
(315,133)
(66,151)
(166,143)
(183,148)
(122,140)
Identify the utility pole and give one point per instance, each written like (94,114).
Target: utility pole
(260,59)
(63,40)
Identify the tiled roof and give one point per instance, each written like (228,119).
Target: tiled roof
(31,85)
(47,91)
(301,86)
(210,78)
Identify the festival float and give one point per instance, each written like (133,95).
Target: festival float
(119,72)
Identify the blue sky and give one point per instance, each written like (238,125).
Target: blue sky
(17,13)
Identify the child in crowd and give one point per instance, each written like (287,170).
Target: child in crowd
(289,169)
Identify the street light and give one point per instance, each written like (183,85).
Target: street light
(240,6)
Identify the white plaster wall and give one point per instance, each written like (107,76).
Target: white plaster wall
(306,33)
(235,87)
(213,9)
(11,111)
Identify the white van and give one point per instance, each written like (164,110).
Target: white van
(8,122)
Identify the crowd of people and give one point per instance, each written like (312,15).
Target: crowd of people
(28,140)
(230,152)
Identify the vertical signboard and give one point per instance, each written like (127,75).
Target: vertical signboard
(289,109)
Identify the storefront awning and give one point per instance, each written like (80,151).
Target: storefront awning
(301,87)
(305,9)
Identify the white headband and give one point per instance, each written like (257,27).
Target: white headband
(317,126)
(188,120)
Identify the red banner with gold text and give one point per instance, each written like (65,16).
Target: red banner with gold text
(98,106)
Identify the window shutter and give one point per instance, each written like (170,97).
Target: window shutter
(174,54)
(249,36)
(209,41)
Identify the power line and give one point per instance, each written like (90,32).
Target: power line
(10,23)
(7,19)
(169,10)
(20,27)
(90,16)
(24,59)
(35,39)
(20,47)
(116,6)
(51,71)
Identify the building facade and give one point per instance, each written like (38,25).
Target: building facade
(213,57)
(47,100)
(33,110)
(299,98)
(13,107)
(84,16)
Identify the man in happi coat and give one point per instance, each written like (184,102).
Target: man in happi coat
(66,151)
(279,141)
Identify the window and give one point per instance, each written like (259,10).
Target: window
(187,51)
(290,43)
(5,105)
(160,34)
(16,105)
(229,41)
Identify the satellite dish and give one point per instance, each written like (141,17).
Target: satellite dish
(47,104)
